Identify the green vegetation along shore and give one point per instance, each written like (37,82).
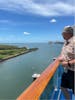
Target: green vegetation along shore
(7,51)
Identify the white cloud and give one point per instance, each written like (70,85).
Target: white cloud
(53,21)
(26,33)
(46,8)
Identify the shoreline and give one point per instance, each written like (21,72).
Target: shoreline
(16,55)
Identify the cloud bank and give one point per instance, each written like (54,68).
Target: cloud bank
(39,7)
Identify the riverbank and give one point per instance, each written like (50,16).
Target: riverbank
(8,52)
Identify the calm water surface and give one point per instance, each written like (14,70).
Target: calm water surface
(16,73)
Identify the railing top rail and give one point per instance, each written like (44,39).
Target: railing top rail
(34,91)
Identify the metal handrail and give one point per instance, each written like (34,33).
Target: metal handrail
(34,91)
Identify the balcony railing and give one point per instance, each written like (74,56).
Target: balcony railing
(34,91)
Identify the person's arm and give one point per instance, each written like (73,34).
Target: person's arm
(64,63)
(68,62)
(71,61)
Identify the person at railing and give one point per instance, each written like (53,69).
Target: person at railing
(67,59)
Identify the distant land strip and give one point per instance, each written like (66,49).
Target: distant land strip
(7,51)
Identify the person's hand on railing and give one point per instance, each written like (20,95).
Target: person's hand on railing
(62,61)
(60,58)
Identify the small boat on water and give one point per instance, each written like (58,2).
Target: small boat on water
(35,76)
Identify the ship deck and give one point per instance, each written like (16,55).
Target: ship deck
(58,95)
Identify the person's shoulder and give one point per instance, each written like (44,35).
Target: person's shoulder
(72,40)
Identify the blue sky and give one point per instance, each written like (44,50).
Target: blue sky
(24,21)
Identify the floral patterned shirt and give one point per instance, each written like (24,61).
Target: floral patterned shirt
(68,52)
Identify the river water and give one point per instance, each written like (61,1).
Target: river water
(16,73)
